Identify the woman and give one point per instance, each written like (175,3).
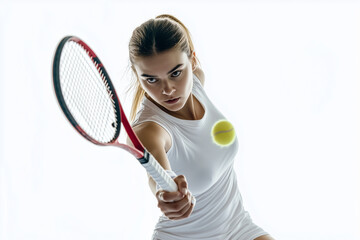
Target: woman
(173,117)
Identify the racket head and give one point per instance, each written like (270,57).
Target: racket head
(85,92)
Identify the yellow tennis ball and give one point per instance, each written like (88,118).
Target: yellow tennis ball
(223,133)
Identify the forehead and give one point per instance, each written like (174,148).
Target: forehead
(161,62)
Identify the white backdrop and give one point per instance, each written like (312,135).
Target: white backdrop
(286,74)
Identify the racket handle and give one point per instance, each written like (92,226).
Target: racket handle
(158,173)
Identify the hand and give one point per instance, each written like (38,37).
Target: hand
(176,205)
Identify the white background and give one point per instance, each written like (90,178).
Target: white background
(285,73)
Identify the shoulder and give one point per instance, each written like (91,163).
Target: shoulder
(199,73)
(153,136)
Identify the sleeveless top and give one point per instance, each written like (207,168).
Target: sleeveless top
(208,168)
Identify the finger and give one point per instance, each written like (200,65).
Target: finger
(193,200)
(185,215)
(159,195)
(176,207)
(178,214)
(182,183)
(169,197)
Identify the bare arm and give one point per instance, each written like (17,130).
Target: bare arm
(157,141)
(175,205)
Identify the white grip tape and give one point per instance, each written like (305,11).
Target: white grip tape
(171,174)
(160,175)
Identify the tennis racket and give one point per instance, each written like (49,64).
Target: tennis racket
(88,99)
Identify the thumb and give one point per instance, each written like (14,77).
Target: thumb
(182,184)
(183,189)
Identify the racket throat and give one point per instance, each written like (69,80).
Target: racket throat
(135,152)
(145,158)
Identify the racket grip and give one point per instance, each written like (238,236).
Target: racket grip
(160,176)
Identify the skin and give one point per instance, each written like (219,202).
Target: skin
(162,82)
(265,237)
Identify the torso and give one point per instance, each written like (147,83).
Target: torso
(199,113)
(218,213)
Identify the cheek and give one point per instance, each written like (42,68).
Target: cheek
(154,92)
(150,91)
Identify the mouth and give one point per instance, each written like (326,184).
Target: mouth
(173,100)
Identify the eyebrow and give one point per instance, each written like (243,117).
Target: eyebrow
(176,67)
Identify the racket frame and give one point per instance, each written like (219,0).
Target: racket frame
(142,155)
(120,115)
(152,166)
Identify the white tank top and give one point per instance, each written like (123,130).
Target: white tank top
(208,168)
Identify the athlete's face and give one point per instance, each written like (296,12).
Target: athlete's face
(166,78)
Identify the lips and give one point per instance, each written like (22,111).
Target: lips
(172,101)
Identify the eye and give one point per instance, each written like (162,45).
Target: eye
(151,80)
(176,73)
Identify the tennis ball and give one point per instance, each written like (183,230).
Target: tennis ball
(223,133)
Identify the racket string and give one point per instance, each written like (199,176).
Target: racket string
(86,93)
(81,105)
(98,98)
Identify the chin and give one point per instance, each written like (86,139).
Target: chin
(174,107)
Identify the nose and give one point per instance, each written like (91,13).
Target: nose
(168,89)
(168,93)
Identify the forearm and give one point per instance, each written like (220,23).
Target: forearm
(152,185)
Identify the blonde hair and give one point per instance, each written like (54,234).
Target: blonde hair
(155,36)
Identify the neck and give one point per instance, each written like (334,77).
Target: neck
(188,112)
(192,108)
